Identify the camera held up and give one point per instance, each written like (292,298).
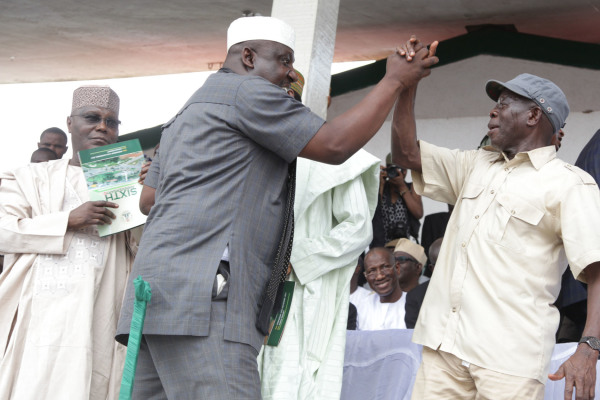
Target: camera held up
(392,171)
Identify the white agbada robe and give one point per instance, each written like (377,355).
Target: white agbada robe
(359,294)
(374,315)
(334,207)
(60,291)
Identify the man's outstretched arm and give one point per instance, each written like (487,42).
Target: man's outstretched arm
(405,149)
(338,139)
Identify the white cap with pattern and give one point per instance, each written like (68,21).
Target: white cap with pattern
(260,28)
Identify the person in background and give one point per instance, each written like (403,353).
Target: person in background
(414,298)
(43,154)
(333,209)
(434,227)
(54,139)
(63,285)
(572,301)
(410,259)
(589,158)
(142,176)
(216,241)
(519,213)
(384,307)
(399,208)
(357,282)
(557,139)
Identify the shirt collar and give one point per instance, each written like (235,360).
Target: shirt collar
(538,157)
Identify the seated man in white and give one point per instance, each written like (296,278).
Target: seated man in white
(384,307)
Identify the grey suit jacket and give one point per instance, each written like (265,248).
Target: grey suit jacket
(220,182)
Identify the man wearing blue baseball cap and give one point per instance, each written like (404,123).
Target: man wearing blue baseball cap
(488,324)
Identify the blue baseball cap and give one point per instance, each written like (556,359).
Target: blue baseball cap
(543,92)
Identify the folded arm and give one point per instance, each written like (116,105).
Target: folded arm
(20,232)
(24,229)
(341,245)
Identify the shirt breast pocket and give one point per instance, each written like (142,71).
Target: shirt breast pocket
(515,217)
(467,201)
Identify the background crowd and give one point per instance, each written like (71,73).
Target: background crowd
(304,204)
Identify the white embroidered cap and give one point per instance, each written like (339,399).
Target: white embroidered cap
(415,250)
(260,28)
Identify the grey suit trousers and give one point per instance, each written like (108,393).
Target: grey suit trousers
(197,367)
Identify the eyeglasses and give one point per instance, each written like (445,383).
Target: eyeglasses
(375,271)
(94,119)
(403,260)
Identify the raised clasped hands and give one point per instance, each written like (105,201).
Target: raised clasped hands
(413,46)
(412,61)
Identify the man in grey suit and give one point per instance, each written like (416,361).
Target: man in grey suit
(213,231)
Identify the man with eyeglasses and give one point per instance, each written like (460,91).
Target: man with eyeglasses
(488,324)
(383,308)
(62,287)
(410,259)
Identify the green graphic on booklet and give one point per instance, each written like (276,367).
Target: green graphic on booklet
(111,173)
(279,319)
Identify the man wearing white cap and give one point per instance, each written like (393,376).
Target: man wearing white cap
(410,259)
(222,206)
(62,287)
(488,324)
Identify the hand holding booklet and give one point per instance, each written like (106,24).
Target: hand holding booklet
(111,173)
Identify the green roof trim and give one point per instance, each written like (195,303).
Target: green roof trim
(488,40)
(148,137)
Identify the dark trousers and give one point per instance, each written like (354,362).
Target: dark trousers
(197,367)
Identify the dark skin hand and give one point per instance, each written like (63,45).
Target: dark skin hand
(579,371)
(91,213)
(147,199)
(405,151)
(413,46)
(144,172)
(148,193)
(413,201)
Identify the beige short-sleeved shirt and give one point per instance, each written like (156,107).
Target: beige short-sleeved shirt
(514,226)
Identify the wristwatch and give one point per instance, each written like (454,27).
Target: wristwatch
(593,342)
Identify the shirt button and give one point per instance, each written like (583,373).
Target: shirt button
(463,244)
(506,169)
(453,309)
(513,212)
(477,217)
(492,191)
